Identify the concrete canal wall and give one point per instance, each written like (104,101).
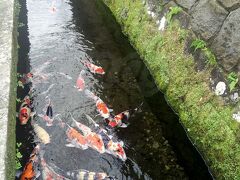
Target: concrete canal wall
(8,59)
(187,47)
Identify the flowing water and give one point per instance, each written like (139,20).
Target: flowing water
(53,45)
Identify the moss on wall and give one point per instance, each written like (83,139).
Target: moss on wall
(207,120)
(11,140)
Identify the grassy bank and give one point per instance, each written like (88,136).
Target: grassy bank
(207,120)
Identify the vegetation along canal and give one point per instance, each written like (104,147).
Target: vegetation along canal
(59,43)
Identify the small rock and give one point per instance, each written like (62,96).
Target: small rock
(167,167)
(220,88)
(234,97)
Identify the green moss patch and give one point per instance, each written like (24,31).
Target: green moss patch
(207,120)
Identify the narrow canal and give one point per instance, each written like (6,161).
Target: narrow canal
(56,40)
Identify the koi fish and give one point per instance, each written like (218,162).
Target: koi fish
(82,174)
(26,78)
(25,112)
(117,121)
(30,170)
(102,108)
(112,147)
(116,149)
(41,133)
(74,138)
(80,84)
(94,140)
(100,105)
(94,69)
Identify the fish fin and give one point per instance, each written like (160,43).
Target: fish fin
(18,173)
(84,147)
(69,145)
(37,174)
(49,124)
(32,114)
(110,136)
(123,125)
(121,143)
(40,115)
(110,110)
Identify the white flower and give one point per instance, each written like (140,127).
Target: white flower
(220,88)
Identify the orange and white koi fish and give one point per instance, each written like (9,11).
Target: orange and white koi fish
(112,147)
(116,149)
(117,121)
(94,140)
(30,170)
(100,105)
(25,111)
(82,174)
(74,138)
(93,68)
(80,84)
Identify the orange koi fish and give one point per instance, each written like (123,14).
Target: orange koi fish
(80,84)
(101,106)
(112,147)
(30,170)
(94,69)
(94,140)
(74,138)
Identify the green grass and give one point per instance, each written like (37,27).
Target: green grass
(198,44)
(173,11)
(232,80)
(208,121)
(202,45)
(18,156)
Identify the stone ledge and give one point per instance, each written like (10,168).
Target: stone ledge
(7,83)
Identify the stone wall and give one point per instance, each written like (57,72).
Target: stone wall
(218,23)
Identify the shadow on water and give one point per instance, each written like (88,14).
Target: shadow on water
(23,133)
(84,28)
